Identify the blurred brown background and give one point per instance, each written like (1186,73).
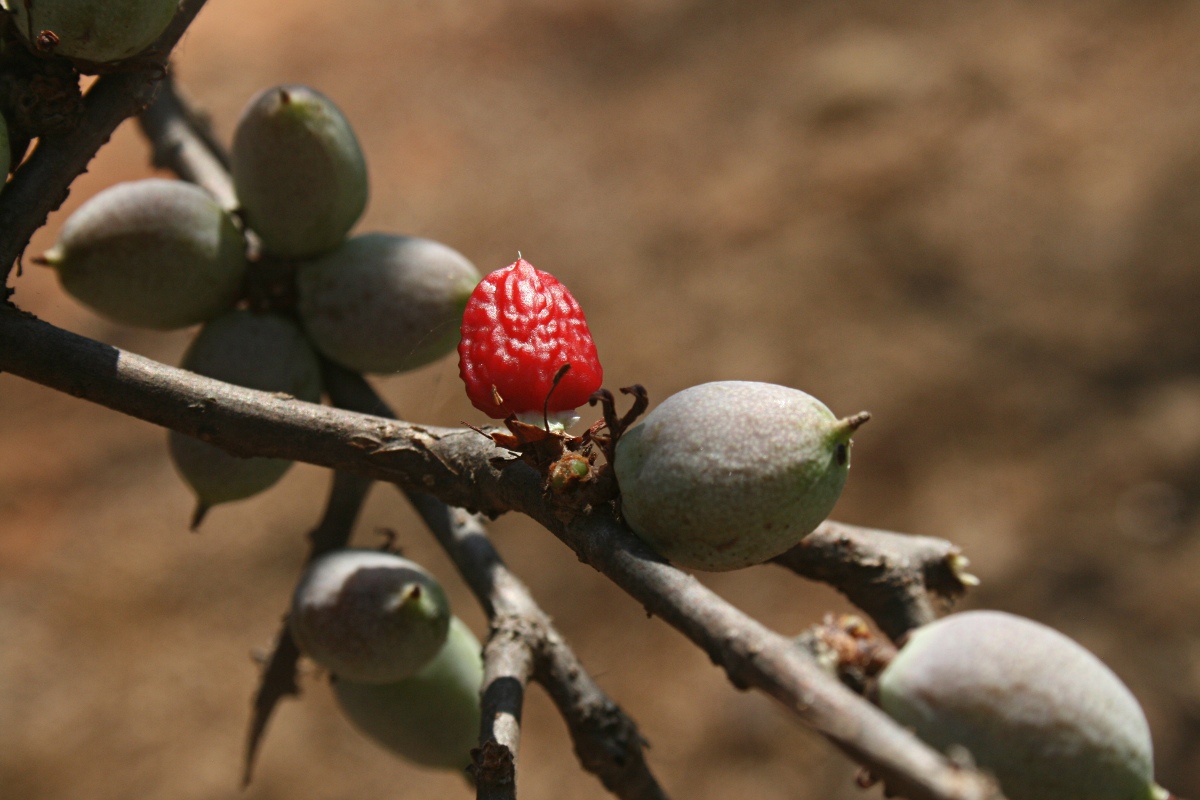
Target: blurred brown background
(980,221)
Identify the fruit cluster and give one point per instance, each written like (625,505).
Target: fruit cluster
(718,477)
(406,672)
(164,254)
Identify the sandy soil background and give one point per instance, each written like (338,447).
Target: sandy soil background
(980,221)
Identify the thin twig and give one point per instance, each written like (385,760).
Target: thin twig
(507,667)
(901,581)
(43,181)
(458,467)
(178,145)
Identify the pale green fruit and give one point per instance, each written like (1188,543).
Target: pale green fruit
(258,351)
(298,171)
(732,473)
(383,303)
(154,253)
(99,31)
(1033,707)
(369,616)
(431,718)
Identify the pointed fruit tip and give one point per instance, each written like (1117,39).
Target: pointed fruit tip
(51,258)
(410,596)
(198,515)
(846,426)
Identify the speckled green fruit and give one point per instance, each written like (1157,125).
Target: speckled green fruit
(369,616)
(431,718)
(258,351)
(383,303)
(154,253)
(99,31)
(298,171)
(732,473)
(1033,707)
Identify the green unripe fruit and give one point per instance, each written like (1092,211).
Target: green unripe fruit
(1033,707)
(732,473)
(258,351)
(369,616)
(431,718)
(154,253)
(298,171)
(99,31)
(383,303)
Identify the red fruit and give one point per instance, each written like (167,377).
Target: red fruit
(519,328)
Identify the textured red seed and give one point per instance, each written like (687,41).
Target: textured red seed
(519,327)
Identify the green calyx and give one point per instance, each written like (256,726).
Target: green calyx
(568,470)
